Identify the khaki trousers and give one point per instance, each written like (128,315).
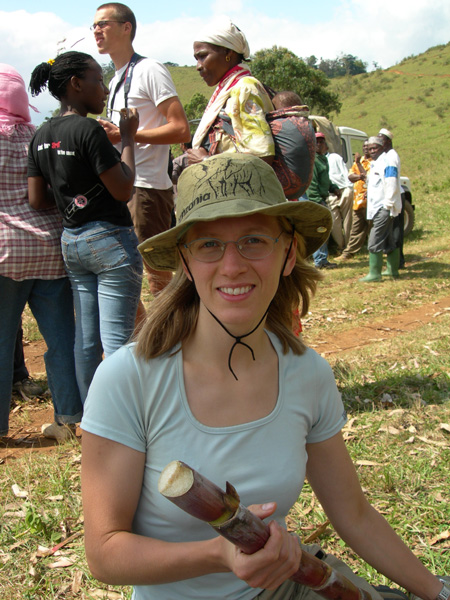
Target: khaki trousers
(342,212)
(359,232)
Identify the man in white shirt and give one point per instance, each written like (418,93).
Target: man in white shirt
(340,206)
(399,222)
(146,85)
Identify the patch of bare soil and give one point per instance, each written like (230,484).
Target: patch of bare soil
(369,334)
(25,430)
(25,422)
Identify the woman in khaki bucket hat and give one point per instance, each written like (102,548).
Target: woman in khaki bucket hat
(217,379)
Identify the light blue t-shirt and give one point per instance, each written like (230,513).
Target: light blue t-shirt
(142,404)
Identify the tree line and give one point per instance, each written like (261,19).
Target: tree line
(344,64)
(280,69)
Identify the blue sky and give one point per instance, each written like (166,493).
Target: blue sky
(167,11)
(381,31)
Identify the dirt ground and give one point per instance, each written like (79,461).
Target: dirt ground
(25,424)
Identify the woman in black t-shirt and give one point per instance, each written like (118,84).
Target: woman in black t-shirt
(72,164)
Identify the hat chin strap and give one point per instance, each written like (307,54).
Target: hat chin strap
(238,338)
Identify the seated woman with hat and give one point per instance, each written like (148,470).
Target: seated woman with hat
(218,380)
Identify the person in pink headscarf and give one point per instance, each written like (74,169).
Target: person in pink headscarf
(14,106)
(14,109)
(31,268)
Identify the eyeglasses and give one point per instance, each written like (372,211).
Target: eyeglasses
(253,247)
(103,24)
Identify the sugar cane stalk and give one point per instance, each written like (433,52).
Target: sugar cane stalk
(204,500)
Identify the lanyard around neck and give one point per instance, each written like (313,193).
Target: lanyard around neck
(125,80)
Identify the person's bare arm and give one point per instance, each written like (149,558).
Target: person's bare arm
(112,131)
(333,478)
(40,196)
(354,177)
(196,155)
(362,173)
(361,169)
(111,477)
(175,131)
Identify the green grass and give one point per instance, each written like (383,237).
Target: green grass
(188,82)
(402,458)
(412,100)
(396,391)
(51,511)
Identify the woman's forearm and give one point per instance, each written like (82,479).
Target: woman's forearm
(372,538)
(127,156)
(333,478)
(129,559)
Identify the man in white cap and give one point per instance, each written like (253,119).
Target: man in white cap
(386,137)
(383,205)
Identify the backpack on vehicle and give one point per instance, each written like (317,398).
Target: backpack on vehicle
(295,146)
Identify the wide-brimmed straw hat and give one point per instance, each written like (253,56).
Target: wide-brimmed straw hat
(233,185)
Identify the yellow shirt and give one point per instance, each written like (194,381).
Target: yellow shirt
(360,187)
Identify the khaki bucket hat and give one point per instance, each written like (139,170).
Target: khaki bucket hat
(233,185)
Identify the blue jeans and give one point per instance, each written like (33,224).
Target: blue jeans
(320,256)
(20,369)
(51,303)
(105,271)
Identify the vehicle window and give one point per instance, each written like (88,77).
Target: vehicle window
(357,144)
(344,150)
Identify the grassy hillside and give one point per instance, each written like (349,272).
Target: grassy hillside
(412,99)
(188,82)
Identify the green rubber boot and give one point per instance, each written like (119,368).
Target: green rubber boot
(392,260)
(375,264)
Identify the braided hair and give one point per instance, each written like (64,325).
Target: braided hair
(56,74)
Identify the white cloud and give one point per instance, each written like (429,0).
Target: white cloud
(385,31)
(27,39)
(168,41)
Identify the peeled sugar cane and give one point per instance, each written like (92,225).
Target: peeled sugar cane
(203,499)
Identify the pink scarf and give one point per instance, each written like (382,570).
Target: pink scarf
(14,105)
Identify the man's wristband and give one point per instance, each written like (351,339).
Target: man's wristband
(444,594)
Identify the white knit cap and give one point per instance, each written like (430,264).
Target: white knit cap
(374,139)
(225,34)
(386,132)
